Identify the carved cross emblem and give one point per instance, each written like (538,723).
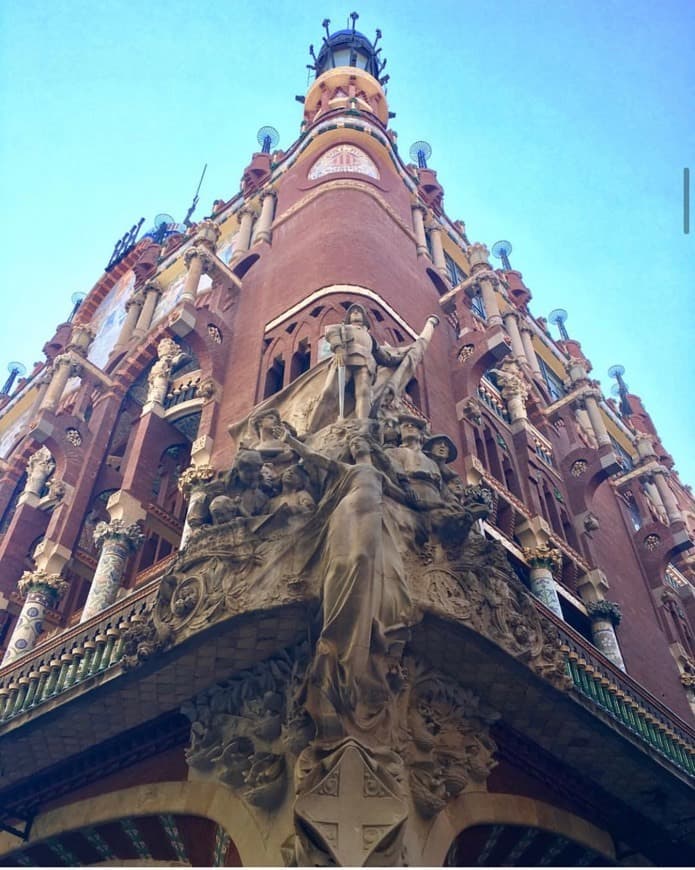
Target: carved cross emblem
(351,809)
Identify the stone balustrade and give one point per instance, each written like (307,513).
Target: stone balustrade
(72,657)
(600,684)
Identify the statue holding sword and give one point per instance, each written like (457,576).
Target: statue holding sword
(357,355)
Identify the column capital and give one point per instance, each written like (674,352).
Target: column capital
(152,286)
(416,205)
(608,611)
(577,371)
(514,314)
(136,300)
(52,585)
(543,556)
(478,255)
(197,251)
(118,530)
(268,191)
(195,476)
(524,325)
(81,336)
(511,380)
(207,233)
(248,208)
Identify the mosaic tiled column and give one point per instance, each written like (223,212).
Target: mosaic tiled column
(191,483)
(605,615)
(117,541)
(543,560)
(41,591)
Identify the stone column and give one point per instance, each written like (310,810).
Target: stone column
(654,497)
(196,259)
(543,560)
(247,215)
(265,221)
(667,497)
(133,307)
(511,324)
(81,337)
(41,591)
(63,369)
(487,283)
(435,232)
(117,541)
(529,350)
(419,212)
(605,615)
(191,483)
(151,293)
(40,466)
(591,397)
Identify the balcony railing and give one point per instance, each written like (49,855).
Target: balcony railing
(95,647)
(625,701)
(71,657)
(494,401)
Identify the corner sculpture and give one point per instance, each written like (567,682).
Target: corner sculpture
(339,497)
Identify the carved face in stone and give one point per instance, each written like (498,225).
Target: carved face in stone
(293,479)
(410,432)
(390,433)
(266,424)
(440,450)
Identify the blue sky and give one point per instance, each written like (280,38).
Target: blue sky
(561,126)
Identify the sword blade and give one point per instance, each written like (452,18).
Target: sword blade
(341,392)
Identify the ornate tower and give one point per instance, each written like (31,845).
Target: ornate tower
(318,549)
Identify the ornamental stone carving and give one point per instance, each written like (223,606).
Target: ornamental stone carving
(543,556)
(40,466)
(169,355)
(51,585)
(353,516)
(195,476)
(605,610)
(118,530)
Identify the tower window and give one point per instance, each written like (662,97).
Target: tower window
(478,306)
(275,377)
(554,384)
